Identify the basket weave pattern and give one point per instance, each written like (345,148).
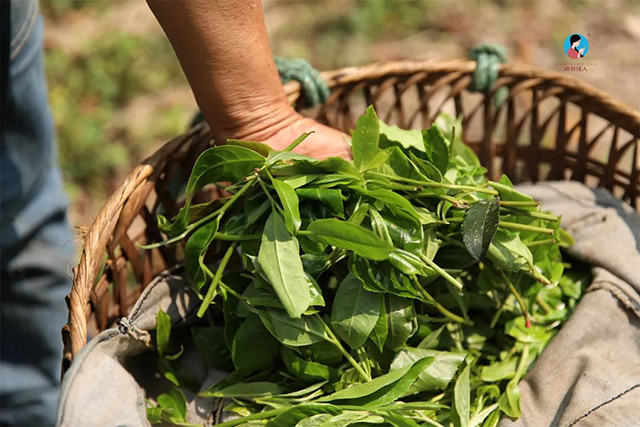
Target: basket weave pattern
(551,127)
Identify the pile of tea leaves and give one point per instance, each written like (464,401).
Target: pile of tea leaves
(402,288)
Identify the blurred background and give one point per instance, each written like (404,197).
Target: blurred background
(117,91)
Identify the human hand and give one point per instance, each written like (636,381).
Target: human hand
(280,130)
(322,143)
(224,50)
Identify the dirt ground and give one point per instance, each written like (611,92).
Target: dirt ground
(117,91)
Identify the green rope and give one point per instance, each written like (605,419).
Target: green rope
(314,89)
(488,57)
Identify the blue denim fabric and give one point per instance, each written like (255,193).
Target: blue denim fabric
(36,244)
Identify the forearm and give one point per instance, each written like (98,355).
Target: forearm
(224,51)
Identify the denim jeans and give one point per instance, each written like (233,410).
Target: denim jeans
(36,243)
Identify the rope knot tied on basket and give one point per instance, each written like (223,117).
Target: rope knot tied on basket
(488,57)
(314,88)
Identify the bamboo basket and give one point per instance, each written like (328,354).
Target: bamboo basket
(551,126)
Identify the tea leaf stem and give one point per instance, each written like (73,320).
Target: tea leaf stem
(439,306)
(208,298)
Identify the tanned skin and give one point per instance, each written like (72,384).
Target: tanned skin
(224,51)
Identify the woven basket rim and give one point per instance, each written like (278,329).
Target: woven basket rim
(627,117)
(104,224)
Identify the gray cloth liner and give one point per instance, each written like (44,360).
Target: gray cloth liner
(589,375)
(110,378)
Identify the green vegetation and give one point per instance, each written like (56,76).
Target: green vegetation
(94,88)
(401,288)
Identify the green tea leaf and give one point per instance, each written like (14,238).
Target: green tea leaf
(305,391)
(407,138)
(318,420)
(396,390)
(366,389)
(315,264)
(293,416)
(154,415)
(493,419)
(194,251)
(347,418)
(296,332)
(380,227)
(397,420)
(460,152)
(427,168)
(438,375)
(317,299)
(364,142)
(482,413)
(532,334)
(280,260)
(175,404)
(329,196)
(431,340)
(297,181)
(253,212)
(331,180)
(217,164)
(499,371)
(163,332)
(461,398)
(211,345)
(286,156)
(323,352)
(393,200)
(401,321)
(436,148)
(253,335)
(379,159)
(566,239)
(508,252)
(349,236)
(334,165)
(508,193)
(305,370)
(381,329)
(302,165)
(355,312)
(259,295)
(359,214)
(383,278)
(247,390)
(418,406)
(426,217)
(408,263)
(509,402)
(289,200)
(399,165)
(463,154)
(480,225)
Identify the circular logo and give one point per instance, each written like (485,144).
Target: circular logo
(576,46)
